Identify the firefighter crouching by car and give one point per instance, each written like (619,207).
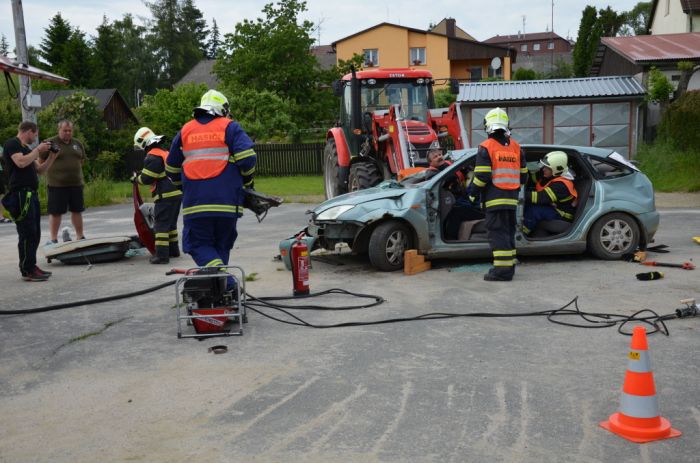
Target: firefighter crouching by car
(499,172)
(554,197)
(166,195)
(214,158)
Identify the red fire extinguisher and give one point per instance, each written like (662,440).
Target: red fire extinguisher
(300,267)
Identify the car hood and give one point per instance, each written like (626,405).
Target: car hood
(385,190)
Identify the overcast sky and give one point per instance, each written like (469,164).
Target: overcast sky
(337,18)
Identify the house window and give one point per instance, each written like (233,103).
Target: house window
(371,57)
(475,73)
(536,47)
(523,47)
(550,46)
(417,56)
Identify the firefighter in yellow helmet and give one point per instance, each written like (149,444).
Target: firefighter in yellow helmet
(166,195)
(215,160)
(554,196)
(498,175)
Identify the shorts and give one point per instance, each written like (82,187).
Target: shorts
(65,198)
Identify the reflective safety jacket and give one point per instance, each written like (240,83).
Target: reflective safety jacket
(559,191)
(499,172)
(153,173)
(214,159)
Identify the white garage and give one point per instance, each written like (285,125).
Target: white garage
(596,111)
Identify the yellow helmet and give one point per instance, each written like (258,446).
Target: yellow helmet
(496,119)
(145,137)
(214,103)
(558,161)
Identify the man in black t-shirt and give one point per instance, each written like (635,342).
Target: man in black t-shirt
(22,200)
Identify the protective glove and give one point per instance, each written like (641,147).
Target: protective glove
(134,177)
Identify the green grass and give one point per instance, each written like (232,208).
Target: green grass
(103,192)
(670,169)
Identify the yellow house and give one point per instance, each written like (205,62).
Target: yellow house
(445,50)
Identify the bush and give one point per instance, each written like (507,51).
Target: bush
(525,74)
(443,98)
(670,168)
(168,110)
(680,122)
(107,164)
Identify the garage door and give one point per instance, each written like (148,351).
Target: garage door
(605,125)
(526,124)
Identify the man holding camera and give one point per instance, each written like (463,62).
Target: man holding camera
(65,181)
(22,201)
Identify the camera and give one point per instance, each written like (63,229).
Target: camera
(53,146)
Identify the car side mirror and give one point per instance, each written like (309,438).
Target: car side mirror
(337,87)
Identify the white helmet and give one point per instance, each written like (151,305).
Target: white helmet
(145,137)
(558,161)
(496,119)
(214,103)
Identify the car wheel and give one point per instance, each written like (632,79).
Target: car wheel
(387,245)
(364,175)
(331,182)
(612,236)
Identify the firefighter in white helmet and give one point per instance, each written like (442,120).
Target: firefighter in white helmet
(215,160)
(554,196)
(166,194)
(498,175)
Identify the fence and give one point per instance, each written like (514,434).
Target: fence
(279,159)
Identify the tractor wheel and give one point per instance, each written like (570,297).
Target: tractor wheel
(331,182)
(612,236)
(364,175)
(387,245)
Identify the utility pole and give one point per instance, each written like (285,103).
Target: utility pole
(553,44)
(25,83)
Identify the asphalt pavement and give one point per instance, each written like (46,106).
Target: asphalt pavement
(112,382)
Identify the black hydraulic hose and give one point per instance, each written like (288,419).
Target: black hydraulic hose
(68,305)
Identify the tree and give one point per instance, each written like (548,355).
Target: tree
(194,29)
(587,41)
(525,74)
(87,118)
(272,53)
(343,66)
(562,69)
(610,22)
(637,19)
(164,38)
(52,47)
(687,69)
(214,41)
(136,59)
(4,46)
(167,110)
(106,53)
(77,60)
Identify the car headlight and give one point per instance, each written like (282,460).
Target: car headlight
(333,212)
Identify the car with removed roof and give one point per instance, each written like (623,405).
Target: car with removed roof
(615,214)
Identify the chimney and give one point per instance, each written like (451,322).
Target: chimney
(450,27)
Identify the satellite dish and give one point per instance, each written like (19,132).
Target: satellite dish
(496,63)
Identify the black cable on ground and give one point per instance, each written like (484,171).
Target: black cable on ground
(68,305)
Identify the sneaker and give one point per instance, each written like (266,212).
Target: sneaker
(51,242)
(159,260)
(42,271)
(65,234)
(34,275)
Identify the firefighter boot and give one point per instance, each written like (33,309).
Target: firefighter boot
(174,249)
(161,256)
(495,275)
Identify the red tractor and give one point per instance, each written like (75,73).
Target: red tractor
(387,124)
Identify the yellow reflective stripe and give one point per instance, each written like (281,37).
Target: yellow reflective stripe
(212,208)
(503,253)
(173,239)
(479,183)
(503,263)
(214,263)
(152,174)
(523,170)
(568,198)
(249,172)
(176,183)
(482,169)
(502,202)
(162,243)
(242,155)
(551,194)
(533,198)
(247,184)
(162,235)
(566,215)
(170,194)
(173,170)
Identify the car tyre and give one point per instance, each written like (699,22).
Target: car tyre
(387,245)
(364,175)
(331,181)
(612,236)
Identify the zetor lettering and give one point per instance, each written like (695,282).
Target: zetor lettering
(206,136)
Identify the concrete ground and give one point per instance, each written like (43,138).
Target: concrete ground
(112,382)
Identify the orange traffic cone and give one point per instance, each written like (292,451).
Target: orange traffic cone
(638,419)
